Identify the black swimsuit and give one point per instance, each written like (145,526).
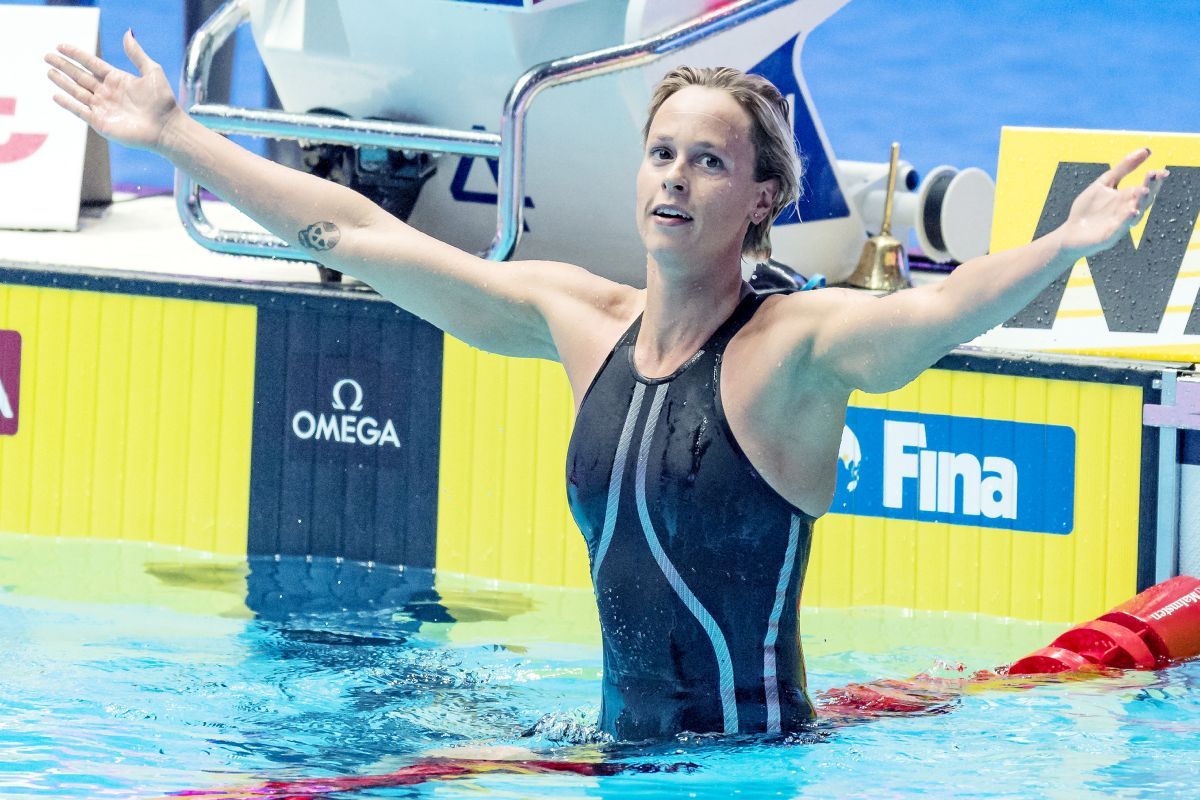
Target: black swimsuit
(697,563)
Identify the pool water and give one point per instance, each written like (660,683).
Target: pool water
(140,671)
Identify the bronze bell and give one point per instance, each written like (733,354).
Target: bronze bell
(883,265)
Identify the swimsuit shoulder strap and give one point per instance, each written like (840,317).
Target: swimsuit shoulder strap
(742,314)
(630,335)
(626,339)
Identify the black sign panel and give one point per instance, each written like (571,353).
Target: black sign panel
(347,424)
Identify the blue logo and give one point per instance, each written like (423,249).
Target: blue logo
(960,470)
(821,197)
(458,184)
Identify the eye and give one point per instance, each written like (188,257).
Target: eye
(660,152)
(710,161)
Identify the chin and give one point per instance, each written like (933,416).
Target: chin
(660,249)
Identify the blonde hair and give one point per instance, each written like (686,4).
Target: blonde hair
(770,132)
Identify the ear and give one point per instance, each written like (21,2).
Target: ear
(764,198)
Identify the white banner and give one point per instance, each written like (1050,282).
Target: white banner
(42,146)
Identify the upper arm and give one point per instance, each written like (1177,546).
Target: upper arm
(878,344)
(515,308)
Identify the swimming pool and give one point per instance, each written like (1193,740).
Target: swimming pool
(134,670)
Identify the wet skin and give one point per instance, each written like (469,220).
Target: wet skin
(788,373)
(700,157)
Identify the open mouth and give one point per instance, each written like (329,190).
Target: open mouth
(671,214)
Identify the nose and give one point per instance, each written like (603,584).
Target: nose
(673,180)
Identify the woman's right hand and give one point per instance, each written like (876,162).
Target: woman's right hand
(130,110)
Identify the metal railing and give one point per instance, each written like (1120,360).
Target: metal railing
(508,147)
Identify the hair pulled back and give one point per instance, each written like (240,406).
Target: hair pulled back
(770,130)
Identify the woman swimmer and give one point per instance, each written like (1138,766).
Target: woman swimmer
(687,473)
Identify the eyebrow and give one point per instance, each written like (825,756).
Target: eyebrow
(703,143)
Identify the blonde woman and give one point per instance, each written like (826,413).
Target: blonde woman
(709,418)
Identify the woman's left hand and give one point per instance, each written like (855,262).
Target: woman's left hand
(1102,214)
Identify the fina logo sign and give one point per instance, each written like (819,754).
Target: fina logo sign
(957,470)
(345,428)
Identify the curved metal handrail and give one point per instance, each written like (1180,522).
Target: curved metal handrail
(508,146)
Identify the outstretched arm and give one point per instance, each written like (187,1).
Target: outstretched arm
(878,344)
(519,308)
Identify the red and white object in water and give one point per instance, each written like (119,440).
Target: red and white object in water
(1151,630)
(1156,628)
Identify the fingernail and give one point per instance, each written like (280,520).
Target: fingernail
(1147,151)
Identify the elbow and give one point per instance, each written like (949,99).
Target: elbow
(882,383)
(902,370)
(957,321)
(873,377)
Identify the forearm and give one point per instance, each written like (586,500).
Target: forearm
(285,201)
(479,302)
(857,345)
(500,309)
(984,292)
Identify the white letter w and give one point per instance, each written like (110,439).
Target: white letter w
(5,406)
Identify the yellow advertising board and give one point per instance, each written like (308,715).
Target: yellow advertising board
(954,562)
(503,512)
(134,419)
(1137,300)
(502,502)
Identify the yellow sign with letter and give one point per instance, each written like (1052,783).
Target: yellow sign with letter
(1136,300)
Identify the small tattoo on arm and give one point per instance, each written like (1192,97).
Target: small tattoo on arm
(320,236)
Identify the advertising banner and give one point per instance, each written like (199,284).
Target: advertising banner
(958,470)
(1008,486)
(346,429)
(42,146)
(1136,300)
(124,415)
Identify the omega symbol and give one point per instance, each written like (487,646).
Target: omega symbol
(337,395)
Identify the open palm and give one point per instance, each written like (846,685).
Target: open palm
(125,108)
(1102,214)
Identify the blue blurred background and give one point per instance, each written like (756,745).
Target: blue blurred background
(939,76)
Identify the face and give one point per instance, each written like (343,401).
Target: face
(696,192)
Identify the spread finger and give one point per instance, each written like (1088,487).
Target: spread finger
(70,87)
(76,73)
(81,111)
(1125,166)
(96,65)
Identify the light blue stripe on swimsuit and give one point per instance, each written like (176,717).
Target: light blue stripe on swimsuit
(770,681)
(616,477)
(720,648)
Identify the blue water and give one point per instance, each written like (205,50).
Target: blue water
(939,76)
(133,671)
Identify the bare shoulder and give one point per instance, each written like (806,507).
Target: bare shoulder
(586,314)
(814,307)
(795,320)
(554,284)
(793,331)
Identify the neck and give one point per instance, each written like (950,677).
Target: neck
(684,306)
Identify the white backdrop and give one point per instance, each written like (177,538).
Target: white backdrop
(41,145)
